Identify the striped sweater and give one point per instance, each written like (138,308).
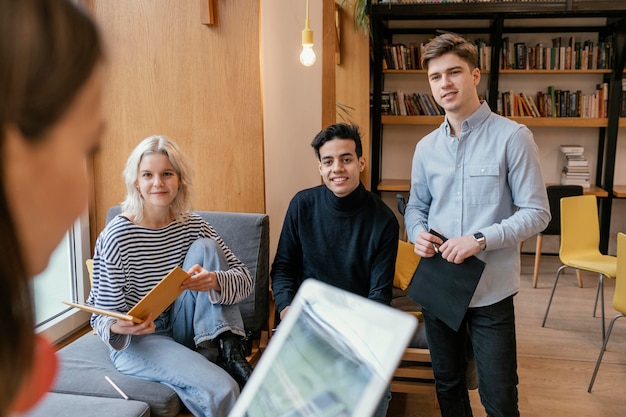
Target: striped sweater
(130,260)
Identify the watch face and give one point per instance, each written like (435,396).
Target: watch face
(480,238)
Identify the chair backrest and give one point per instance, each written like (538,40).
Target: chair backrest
(247,235)
(619,296)
(555,194)
(401,203)
(580,229)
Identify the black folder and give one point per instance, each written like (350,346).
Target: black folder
(444,288)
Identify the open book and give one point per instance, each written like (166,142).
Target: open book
(155,302)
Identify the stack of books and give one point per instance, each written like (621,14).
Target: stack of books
(576,167)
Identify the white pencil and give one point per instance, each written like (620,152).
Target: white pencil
(116,387)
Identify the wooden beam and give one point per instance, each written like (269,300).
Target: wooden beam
(329,45)
(207,12)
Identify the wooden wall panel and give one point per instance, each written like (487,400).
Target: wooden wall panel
(352,80)
(198,84)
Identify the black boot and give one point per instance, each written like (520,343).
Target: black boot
(232,358)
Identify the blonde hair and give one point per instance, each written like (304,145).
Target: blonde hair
(133,204)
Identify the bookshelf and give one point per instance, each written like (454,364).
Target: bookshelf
(402,185)
(493,21)
(619,191)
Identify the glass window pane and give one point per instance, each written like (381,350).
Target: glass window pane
(54,285)
(65,279)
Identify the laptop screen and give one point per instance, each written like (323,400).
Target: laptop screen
(333,355)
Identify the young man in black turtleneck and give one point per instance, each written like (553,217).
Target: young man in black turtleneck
(338,233)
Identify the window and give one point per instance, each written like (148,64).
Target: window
(65,279)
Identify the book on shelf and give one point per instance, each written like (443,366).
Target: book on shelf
(577,55)
(520,55)
(571,59)
(393,104)
(399,103)
(541,104)
(562,58)
(506,56)
(531,58)
(522,106)
(622,110)
(385,103)
(603,99)
(560,54)
(555,103)
(575,167)
(539,56)
(484,55)
(402,57)
(576,174)
(576,162)
(530,105)
(556,53)
(585,183)
(572,149)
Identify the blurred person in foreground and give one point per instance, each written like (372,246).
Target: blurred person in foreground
(50,113)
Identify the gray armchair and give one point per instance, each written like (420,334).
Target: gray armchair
(81,388)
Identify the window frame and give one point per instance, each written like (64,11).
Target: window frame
(70,320)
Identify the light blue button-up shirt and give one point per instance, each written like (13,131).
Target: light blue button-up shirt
(489,180)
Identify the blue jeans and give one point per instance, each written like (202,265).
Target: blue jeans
(167,356)
(491,331)
(194,318)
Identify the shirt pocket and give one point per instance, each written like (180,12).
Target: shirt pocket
(484,184)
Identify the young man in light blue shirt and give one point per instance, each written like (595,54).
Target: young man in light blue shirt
(477,180)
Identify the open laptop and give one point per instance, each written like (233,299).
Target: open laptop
(332,356)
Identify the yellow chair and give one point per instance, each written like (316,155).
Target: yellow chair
(555,194)
(89,265)
(414,374)
(619,299)
(579,249)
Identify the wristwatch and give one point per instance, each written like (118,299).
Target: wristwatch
(480,238)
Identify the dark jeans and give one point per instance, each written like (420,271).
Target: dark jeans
(491,331)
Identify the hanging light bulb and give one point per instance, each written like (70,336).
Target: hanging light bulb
(307,56)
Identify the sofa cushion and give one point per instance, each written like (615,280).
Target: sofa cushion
(66,405)
(401,301)
(406,264)
(84,363)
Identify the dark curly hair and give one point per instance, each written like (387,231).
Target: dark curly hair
(338,131)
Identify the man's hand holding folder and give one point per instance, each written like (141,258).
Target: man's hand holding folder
(445,281)
(454,250)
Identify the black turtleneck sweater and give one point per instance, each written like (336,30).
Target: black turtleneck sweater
(349,242)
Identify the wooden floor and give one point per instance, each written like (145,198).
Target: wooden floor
(555,363)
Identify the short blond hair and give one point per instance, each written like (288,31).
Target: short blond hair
(133,204)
